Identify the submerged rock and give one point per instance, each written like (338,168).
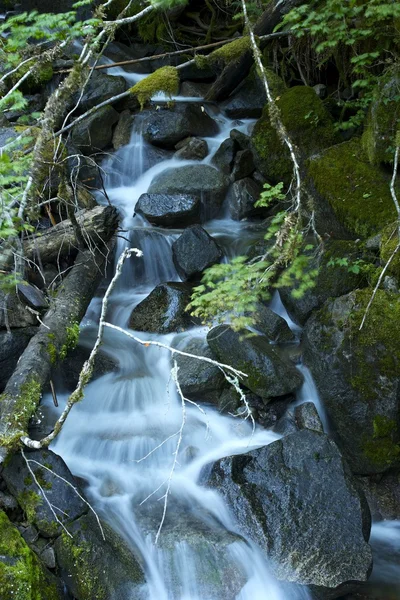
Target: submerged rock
(297,499)
(199,380)
(358,376)
(96,567)
(202,181)
(194,251)
(164,310)
(167,126)
(169,210)
(268,375)
(22,576)
(22,485)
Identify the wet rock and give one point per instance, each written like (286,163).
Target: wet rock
(199,380)
(48,558)
(242,140)
(307,417)
(22,485)
(249,99)
(194,89)
(100,87)
(7,502)
(224,156)
(32,297)
(357,374)
(332,279)
(105,568)
(166,127)
(194,251)
(383,495)
(22,575)
(268,375)
(95,132)
(12,346)
(241,197)
(164,310)
(70,368)
(192,149)
(243,165)
(14,312)
(272,325)
(297,499)
(202,181)
(177,210)
(123,130)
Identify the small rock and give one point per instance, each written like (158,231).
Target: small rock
(307,417)
(123,130)
(194,149)
(48,557)
(272,325)
(14,313)
(95,132)
(224,156)
(241,198)
(178,210)
(30,534)
(194,251)
(243,165)
(194,89)
(241,139)
(7,502)
(12,346)
(320,90)
(164,310)
(31,296)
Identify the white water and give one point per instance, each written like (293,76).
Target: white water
(123,437)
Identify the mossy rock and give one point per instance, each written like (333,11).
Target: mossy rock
(389,241)
(22,577)
(357,193)
(98,568)
(383,120)
(308,124)
(358,375)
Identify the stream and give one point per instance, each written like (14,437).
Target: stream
(122,439)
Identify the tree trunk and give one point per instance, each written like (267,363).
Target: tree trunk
(54,338)
(236,71)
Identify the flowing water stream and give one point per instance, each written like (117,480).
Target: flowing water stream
(123,437)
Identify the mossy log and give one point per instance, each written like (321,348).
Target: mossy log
(237,69)
(57,334)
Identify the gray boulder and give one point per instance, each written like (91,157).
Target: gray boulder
(297,499)
(224,156)
(166,210)
(242,140)
(357,373)
(100,87)
(14,312)
(94,567)
(243,165)
(199,380)
(167,126)
(241,197)
(22,485)
(268,375)
(194,251)
(202,181)
(12,346)
(95,132)
(164,310)
(192,149)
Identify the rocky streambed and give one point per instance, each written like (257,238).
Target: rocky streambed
(275,513)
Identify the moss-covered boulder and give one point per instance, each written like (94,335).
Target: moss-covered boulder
(309,125)
(22,576)
(388,243)
(98,568)
(350,194)
(383,120)
(342,267)
(357,373)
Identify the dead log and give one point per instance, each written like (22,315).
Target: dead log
(55,337)
(236,71)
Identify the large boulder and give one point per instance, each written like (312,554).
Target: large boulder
(93,566)
(308,124)
(199,380)
(202,181)
(268,375)
(167,126)
(100,87)
(297,499)
(95,132)
(12,346)
(194,251)
(22,576)
(163,311)
(249,98)
(224,156)
(166,210)
(47,468)
(357,373)
(351,197)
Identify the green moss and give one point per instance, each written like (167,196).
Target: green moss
(29,501)
(358,193)
(381,448)
(388,244)
(164,80)
(86,580)
(52,352)
(71,341)
(226,54)
(309,125)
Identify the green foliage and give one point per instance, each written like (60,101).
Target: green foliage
(164,80)
(353,266)
(270,194)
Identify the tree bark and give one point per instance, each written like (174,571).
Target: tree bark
(236,71)
(23,390)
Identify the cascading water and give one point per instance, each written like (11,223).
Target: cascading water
(133,441)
